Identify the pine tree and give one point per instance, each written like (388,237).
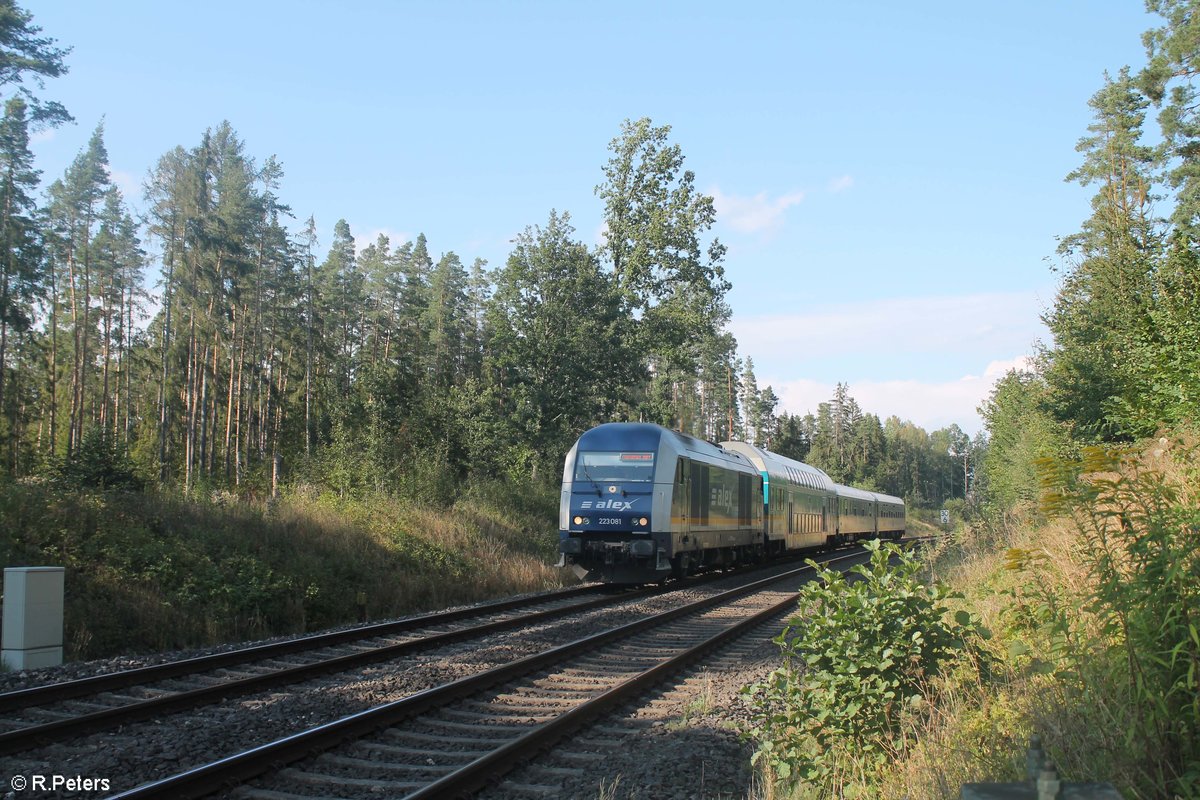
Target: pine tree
(118,263)
(308,243)
(445,321)
(793,437)
(170,196)
(749,399)
(1173,53)
(75,206)
(382,289)
(768,424)
(22,279)
(24,55)
(1101,312)
(340,294)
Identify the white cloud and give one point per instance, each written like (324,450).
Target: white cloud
(998,322)
(753,214)
(841,184)
(600,235)
(926,338)
(931,405)
(131,187)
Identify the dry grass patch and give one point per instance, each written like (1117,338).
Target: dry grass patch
(152,572)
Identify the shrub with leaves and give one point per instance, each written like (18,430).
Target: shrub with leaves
(857,659)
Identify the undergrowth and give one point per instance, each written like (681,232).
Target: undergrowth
(148,572)
(1092,600)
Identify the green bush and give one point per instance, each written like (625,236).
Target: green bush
(857,660)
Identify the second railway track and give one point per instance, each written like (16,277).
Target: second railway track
(451,739)
(40,715)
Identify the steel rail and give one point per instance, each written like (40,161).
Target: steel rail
(33,736)
(236,769)
(487,768)
(67,690)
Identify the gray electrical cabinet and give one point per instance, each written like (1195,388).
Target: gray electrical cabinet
(33,617)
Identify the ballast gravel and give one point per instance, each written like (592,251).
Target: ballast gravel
(679,750)
(684,741)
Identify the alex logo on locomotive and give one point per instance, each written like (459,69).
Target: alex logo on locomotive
(615,505)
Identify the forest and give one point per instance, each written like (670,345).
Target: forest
(208,343)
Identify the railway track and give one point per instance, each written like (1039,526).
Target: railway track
(257,694)
(681,739)
(40,715)
(451,739)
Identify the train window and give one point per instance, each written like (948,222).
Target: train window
(615,467)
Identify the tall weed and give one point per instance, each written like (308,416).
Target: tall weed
(1094,649)
(1139,525)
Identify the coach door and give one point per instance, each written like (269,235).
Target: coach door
(681,505)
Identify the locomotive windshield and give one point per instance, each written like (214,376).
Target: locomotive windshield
(615,467)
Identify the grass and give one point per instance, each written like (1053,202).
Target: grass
(1056,664)
(150,572)
(700,705)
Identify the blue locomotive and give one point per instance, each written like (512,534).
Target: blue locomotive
(641,503)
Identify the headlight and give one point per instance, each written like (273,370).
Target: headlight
(581,520)
(643,522)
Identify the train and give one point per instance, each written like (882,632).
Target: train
(641,503)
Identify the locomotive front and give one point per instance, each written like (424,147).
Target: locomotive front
(615,506)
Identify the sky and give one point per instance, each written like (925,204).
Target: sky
(888,177)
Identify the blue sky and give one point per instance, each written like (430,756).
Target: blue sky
(888,176)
